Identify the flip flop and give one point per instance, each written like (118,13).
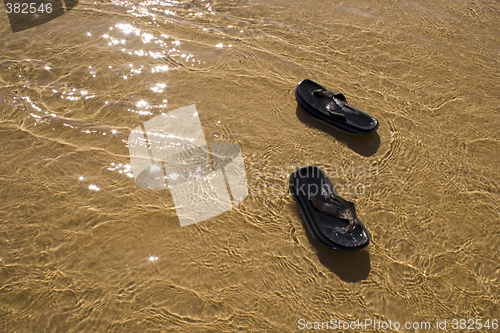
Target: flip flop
(332,108)
(330,219)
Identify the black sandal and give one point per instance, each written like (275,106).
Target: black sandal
(330,219)
(332,108)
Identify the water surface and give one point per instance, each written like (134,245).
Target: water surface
(82,248)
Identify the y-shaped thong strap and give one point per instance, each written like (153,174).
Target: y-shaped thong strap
(338,104)
(347,212)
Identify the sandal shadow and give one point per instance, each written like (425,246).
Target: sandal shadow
(365,145)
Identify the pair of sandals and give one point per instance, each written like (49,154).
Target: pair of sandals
(331,220)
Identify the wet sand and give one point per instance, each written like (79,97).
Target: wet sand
(83,248)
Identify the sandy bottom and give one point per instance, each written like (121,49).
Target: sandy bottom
(84,249)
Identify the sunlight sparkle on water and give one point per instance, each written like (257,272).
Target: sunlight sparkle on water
(142,103)
(159,68)
(158,88)
(94,187)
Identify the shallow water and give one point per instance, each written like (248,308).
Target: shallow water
(82,248)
